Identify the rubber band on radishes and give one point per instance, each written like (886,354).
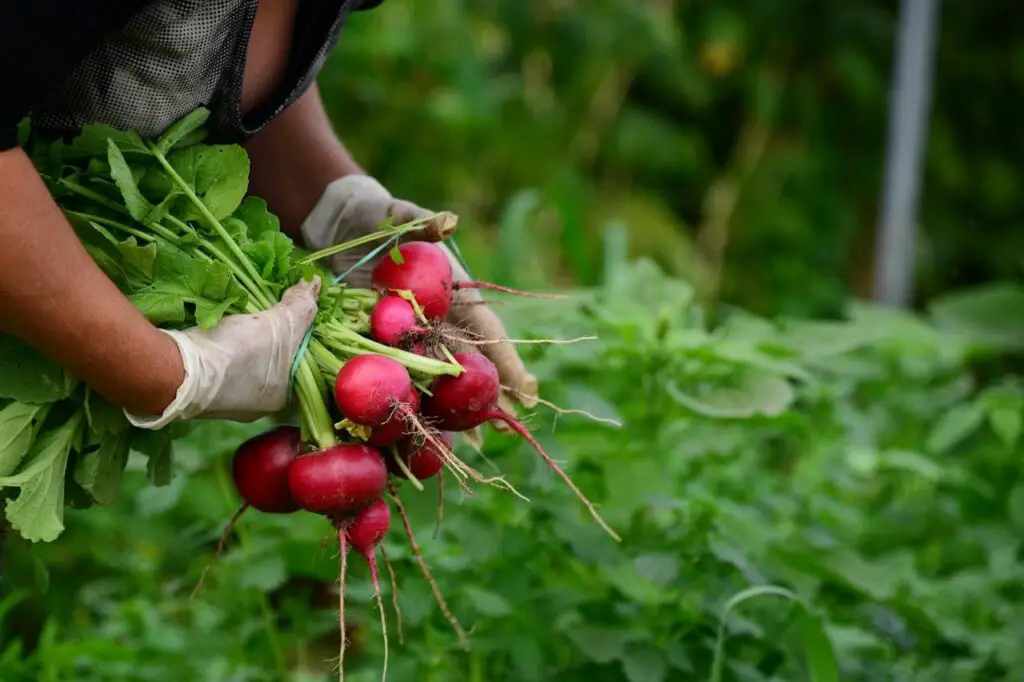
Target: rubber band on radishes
(471,399)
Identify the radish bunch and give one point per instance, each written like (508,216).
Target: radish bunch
(389,427)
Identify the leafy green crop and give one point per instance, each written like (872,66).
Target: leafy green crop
(170,222)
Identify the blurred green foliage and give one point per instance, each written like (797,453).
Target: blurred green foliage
(863,464)
(867,460)
(739,136)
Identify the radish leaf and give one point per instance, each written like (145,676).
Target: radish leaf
(99,472)
(18,425)
(38,511)
(28,376)
(121,173)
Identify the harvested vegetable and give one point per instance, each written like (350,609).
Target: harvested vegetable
(171,223)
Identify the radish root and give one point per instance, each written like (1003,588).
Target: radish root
(220,548)
(440,502)
(438,597)
(341,602)
(490,286)
(561,410)
(460,469)
(394,594)
(383,620)
(524,433)
(493,342)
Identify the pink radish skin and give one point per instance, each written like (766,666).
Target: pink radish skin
(260,469)
(367,529)
(425,271)
(370,388)
(391,431)
(338,481)
(420,456)
(393,322)
(470,399)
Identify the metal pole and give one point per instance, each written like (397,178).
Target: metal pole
(908,124)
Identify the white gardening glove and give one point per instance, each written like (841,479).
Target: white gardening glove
(241,368)
(357,205)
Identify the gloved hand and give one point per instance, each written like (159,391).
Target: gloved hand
(241,368)
(357,205)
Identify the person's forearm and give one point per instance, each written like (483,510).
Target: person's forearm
(56,299)
(294,159)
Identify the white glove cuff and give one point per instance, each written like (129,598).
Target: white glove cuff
(320,228)
(185,404)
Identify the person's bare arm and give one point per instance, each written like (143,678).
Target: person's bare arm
(56,299)
(294,159)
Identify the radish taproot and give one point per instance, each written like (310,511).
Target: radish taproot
(471,399)
(338,481)
(364,533)
(370,389)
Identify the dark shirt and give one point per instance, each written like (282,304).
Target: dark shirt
(141,65)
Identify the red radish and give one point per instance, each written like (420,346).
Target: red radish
(370,388)
(391,431)
(367,529)
(393,322)
(260,469)
(425,271)
(420,456)
(337,481)
(470,399)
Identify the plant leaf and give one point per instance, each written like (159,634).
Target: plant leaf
(29,376)
(38,511)
(955,426)
(755,393)
(19,423)
(644,663)
(138,259)
(160,308)
(99,472)
(208,313)
(138,206)
(95,140)
(257,218)
(102,415)
(222,178)
(158,447)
